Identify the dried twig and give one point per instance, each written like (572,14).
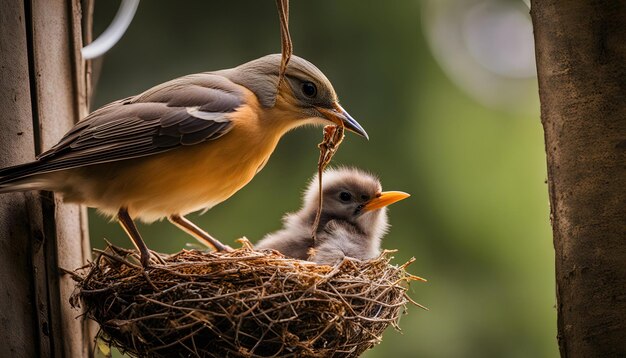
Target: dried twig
(285,38)
(242,303)
(333,136)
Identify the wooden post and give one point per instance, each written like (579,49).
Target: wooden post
(43,93)
(581,63)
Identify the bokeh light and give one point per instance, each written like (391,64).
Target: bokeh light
(486,48)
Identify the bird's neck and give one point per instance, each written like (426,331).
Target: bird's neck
(261,126)
(283,114)
(375,225)
(309,219)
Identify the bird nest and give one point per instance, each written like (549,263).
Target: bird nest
(243,303)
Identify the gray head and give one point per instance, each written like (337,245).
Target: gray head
(354,196)
(306,89)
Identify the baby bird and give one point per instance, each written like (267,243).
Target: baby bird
(352,223)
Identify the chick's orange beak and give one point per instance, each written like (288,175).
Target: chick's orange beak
(339,116)
(385,198)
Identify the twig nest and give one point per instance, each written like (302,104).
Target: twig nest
(243,303)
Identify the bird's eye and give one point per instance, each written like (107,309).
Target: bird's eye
(345,196)
(309,89)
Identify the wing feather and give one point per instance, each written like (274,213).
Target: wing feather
(183,112)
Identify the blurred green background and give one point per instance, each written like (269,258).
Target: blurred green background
(446,91)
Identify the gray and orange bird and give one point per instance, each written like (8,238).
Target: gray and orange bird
(352,224)
(182,146)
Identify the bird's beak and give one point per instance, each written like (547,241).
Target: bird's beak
(339,116)
(383,199)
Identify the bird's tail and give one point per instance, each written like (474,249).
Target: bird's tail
(21,178)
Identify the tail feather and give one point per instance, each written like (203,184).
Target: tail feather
(20,178)
(23,185)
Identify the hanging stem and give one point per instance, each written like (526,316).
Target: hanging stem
(333,136)
(285,37)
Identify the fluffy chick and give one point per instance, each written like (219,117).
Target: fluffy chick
(352,223)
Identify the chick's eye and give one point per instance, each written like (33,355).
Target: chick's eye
(345,196)
(309,89)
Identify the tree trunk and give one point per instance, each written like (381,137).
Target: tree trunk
(581,63)
(43,92)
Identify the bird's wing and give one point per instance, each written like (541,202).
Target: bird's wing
(291,243)
(183,112)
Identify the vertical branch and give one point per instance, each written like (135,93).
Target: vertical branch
(22,332)
(41,96)
(86,27)
(581,63)
(61,93)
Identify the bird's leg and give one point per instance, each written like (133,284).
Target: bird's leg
(198,233)
(131,230)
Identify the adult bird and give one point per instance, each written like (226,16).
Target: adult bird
(184,145)
(352,223)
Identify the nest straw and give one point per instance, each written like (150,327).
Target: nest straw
(243,303)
